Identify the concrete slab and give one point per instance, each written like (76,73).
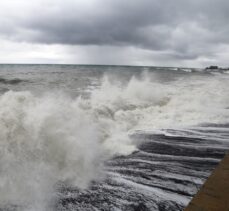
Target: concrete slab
(214,194)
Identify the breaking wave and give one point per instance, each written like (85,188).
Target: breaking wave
(14,81)
(55,138)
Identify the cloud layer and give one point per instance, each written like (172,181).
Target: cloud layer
(160,31)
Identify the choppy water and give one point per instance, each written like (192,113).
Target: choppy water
(108,137)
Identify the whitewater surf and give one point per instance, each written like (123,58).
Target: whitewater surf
(108,137)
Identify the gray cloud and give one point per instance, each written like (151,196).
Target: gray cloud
(184,30)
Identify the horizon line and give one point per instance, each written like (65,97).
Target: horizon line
(121,65)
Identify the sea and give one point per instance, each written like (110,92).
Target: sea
(110,138)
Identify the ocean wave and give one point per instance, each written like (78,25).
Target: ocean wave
(54,138)
(44,140)
(14,81)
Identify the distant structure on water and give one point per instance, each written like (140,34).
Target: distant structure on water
(216,68)
(212,68)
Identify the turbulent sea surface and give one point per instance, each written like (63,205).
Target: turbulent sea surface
(111,138)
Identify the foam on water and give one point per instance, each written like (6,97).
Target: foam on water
(56,138)
(156,105)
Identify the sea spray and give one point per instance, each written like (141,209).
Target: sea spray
(52,137)
(43,141)
(149,104)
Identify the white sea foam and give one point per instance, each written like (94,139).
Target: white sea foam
(147,104)
(44,140)
(51,138)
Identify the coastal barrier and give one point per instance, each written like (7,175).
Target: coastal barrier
(214,194)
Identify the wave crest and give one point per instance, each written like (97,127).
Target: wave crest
(51,138)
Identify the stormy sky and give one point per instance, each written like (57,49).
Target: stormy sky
(192,33)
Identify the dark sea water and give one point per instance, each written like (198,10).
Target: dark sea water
(112,138)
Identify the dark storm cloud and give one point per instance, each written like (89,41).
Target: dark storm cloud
(187,29)
(107,23)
